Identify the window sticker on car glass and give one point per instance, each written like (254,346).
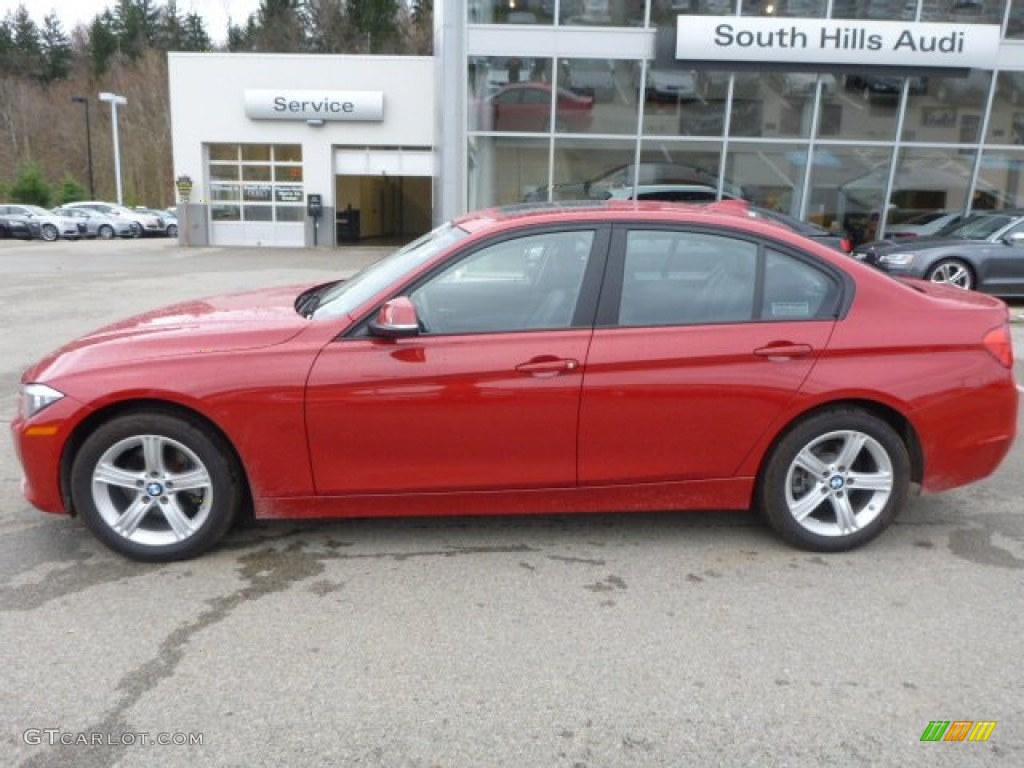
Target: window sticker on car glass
(791,309)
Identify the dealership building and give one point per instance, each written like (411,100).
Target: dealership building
(855,114)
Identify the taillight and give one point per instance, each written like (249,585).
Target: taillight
(846,245)
(999,345)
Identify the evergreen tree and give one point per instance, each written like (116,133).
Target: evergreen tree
(194,36)
(375,23)
(6,43)
(170,28)
(30,188)
(280,27)
(70,191)
(26,53)
(327,25)
(56,50)
(103,43)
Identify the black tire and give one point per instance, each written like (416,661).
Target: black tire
(145,455)
(817,510)
(105,232)
(49,233)
(952,272)
(172,230)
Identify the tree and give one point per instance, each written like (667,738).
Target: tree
(26,54)
(70,191)
(103,43)
(327,25)
(280,27)
(375,22)
(169,30)
(194,36)
(56,50)
(30,188)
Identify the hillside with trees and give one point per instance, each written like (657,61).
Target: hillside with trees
(46,70)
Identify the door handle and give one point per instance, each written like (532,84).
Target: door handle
(784,350)
(548,366)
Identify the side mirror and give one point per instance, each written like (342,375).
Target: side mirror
(396,319)
(1016,239)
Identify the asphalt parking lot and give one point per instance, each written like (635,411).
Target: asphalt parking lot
(693,639)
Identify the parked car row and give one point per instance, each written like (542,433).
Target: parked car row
(85,219)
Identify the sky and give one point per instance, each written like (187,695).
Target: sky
(74,12)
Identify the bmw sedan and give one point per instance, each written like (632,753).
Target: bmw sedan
(983,252)
(605,356)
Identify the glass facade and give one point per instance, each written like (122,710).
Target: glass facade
(848,149)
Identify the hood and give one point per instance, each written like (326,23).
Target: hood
(909,244)
(226,323)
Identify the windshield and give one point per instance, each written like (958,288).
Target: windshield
(977,227)
(346,297)
(37,210)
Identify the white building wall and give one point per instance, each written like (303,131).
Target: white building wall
(207,106)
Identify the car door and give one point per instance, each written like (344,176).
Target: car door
(702,339)
(486,396)
(1003,270)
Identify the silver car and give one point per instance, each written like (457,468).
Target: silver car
(99,225)
(148,224)
(51,225)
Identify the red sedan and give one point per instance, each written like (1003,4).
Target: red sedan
(610,356)
(527,107)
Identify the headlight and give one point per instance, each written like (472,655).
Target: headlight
(897,259)
(35,397)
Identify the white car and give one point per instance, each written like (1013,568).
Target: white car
(148,224)
(98,224)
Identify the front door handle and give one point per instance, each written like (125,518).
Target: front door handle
(548,366)
(784,350)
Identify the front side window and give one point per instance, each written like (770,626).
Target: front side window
(525,283)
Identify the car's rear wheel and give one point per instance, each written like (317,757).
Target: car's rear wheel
(156,487)
(105,231)
(835,481)
(952,272)
(48,232)
(172,230)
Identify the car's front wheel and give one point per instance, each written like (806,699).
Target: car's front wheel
(155,486)
(48,232)
(835,481)
(952,272)
(106,232)
(172,230)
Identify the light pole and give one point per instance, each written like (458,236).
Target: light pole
(114,100)
(88,143)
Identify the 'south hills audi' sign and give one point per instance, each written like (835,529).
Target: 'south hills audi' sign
(837,41)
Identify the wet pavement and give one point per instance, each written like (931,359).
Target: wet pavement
(579,641)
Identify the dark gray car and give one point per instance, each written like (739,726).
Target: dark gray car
(984,252)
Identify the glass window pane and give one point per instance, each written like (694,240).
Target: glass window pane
(289,194)
(290,212)
(1006,123)
(1000,180)
(223,172)
(504,171)
(868,108)
(929,180)
(225,192)
(769,175)
(608,84)
(255,173)
(221,212)
(601,13)
(258,212)
(848,187)
(505,12)
(287,173)
(680,278)
(588,169)
(224,152)
(256,153)
(287,153)
(256,192)
(519,284)
(794,290)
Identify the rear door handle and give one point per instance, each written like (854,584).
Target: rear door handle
(548,366)
(784,351)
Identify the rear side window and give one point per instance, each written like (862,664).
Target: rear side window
(691,278)
(683,278)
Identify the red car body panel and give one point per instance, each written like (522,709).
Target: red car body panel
(597,420)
